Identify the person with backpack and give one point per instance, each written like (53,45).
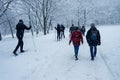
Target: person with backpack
(20,27)
(76,38)
(93,40)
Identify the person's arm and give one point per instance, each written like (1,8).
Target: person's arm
(87,36)
(81,38)
(28,28)
(99,38)
(70,30)
(69,42)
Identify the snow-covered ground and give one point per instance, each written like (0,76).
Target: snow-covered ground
(54,60)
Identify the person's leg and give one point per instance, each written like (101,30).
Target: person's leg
(91,52)
(95,51)
(21,45)
(76,48)
(58,36)
(63,34)
(17,47)
(83,33)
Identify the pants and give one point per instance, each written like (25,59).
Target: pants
(93,51)
(76,49)
(62,34)
(58,36)
(20,44)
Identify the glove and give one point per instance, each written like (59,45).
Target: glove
(82,42)
(69,42)
(99,43)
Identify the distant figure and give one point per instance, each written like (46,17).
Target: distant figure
(58,32)
(62,28)
(93,39)
(72,28)
(76,38)
(20,27)
(83,30)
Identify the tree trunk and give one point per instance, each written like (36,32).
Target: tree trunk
(0,36)
(11,29)
(10,26)
(85,17)
(45,26)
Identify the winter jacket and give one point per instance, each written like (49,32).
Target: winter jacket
(93,42)
(58,29)
(20,27)
(62,28)
(72,28)
(76,38)
(83,29)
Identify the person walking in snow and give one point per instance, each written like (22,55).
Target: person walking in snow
(72,28)
(58,32)
(83,30)
(93,40)
(62,30)
(76,38)
(20,27)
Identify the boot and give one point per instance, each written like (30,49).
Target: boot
(76,58)
(22,51)
(92,58)
(15,53)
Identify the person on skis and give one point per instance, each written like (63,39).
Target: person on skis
(20,27)
(58,32)
(93,40)
(76,38)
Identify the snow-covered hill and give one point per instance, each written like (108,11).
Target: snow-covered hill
(54,60)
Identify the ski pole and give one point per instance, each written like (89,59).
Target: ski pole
(32,33)
(34,43)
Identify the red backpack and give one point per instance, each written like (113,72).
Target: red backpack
(76,37)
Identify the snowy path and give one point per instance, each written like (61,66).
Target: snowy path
(52,61)
(59,64)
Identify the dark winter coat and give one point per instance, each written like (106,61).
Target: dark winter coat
(72,28)
(62,28)
(20,27)
(58,29)
(93,42)
(83,29)
(76,38)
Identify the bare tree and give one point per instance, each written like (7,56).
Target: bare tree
(9,22)
(47,10)
(85,8)
(4,4)
(42,10)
